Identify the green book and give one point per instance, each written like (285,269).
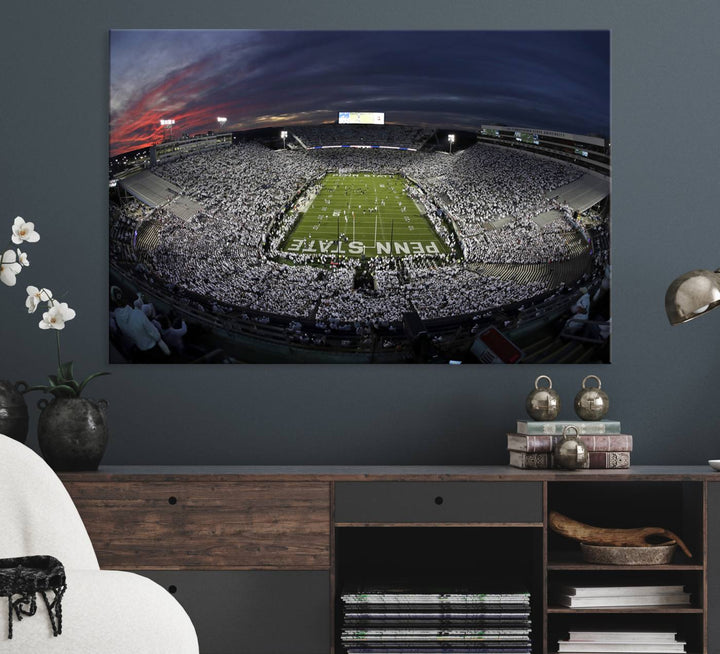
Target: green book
(555,427)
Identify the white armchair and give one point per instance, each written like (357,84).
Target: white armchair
(104,612)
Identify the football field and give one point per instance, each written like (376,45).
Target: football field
(364,214)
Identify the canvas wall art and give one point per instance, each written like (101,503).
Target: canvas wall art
(359,196)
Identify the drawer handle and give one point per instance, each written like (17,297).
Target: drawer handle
(439,500)
(172,500)
(172,589)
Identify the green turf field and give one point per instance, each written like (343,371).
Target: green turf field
(346,206)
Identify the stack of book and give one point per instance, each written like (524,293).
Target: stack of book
(401,622)
(584,597)
(647,642)
(531,446)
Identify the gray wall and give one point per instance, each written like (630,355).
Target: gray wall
(663,382)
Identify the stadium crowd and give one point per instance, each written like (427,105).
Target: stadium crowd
(231,253)
(485,183)
(455,290)
(523,241)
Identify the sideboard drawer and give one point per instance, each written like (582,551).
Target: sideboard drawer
(443,501)
(221,525)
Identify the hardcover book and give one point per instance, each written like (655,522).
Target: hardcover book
(624,636)
(435,634)
(440,648)
(546,442)
(622,648)
(436,598)
(667,599)
(450,614)
(530,460)
(604,591)
(545,460)
(555,427)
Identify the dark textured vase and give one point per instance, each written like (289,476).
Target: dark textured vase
(72,433)
(13,410)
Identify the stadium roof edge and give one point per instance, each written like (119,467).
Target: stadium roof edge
(585,138)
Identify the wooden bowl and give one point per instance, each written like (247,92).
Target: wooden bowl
(621,555)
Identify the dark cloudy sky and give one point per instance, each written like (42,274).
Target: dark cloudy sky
(550,80)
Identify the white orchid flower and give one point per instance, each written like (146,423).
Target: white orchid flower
(22,231)
(56,317)
(22,258)
(36,296)
(9,267)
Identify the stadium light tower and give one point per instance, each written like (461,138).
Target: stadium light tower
(451,140)
(168,123)
(221,122)
(283,136)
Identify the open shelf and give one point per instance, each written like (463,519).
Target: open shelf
(479,559)
(686,623)
(679,507)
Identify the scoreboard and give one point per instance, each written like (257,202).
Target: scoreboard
(361,118)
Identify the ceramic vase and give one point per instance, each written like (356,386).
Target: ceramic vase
(72,433)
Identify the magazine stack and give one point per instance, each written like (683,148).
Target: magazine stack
(402,622)
(625,642)
(583,597)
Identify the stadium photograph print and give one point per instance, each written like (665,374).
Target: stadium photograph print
(359,196)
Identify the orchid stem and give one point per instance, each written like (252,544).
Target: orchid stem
(57,333)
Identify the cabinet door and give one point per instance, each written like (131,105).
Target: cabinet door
(257,612)
(713,566)
(146,524)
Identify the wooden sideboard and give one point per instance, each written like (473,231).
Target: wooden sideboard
(259,555)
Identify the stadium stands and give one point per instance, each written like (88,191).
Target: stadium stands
(208,229)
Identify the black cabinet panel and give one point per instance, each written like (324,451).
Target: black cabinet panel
(256,612)
(441,501)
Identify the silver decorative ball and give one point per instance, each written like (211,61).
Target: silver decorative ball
(543,403)
(591,403)
(570,453)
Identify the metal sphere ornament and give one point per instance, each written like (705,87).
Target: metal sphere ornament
(543,403)
(570,453)
(591,403)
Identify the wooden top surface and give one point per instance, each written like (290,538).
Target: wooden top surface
(390,473)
